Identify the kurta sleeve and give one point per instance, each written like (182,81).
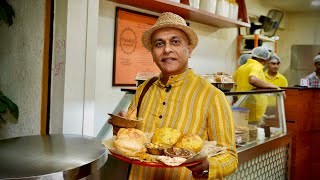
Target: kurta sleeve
(221,129)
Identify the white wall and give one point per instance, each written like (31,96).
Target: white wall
(58,66)
(21,65)
(302,29)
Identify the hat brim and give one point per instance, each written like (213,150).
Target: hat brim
(146,36)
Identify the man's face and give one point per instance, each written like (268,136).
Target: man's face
(273,66)
(317,65)
(170,50)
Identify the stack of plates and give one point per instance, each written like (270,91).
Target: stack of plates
(253,133)
(243,133)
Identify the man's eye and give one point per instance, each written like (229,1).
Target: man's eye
(175,41)
(159,44)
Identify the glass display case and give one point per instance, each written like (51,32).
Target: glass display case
(257,114)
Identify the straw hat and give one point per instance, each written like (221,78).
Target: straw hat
(168,19)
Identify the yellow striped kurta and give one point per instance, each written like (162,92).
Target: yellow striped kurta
(192,105)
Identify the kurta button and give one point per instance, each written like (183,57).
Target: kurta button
(160,116)
(164,103)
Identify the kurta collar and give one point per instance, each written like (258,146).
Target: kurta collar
(174,79)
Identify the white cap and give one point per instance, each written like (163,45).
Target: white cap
(316,59)
(261,52)
(274,57)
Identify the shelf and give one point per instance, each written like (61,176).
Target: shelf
(259,36)
(245,52)
(189,13)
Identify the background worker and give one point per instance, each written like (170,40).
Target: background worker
(251,76)
(243,59)
(314,78)
(272,75)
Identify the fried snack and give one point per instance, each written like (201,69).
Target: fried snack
(129,147)
(217,78)
(131,114)
(130,142)
(191,142)
(166,136)
(132,134)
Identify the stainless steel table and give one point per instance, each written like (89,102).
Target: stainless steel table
(56,156)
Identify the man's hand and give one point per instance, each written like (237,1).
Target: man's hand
(199,170)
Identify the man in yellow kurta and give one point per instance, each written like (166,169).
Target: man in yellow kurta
(182,100)
(250,76)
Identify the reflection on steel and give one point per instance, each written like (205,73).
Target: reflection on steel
(269,159)
(50,157)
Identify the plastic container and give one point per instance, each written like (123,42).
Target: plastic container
(222,8)
(194,3)
(240,116)
(233,10)
(261,135)
(208,5)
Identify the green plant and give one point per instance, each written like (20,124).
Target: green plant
(7,107)
(6,12)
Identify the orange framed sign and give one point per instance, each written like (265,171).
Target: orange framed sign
(130,57)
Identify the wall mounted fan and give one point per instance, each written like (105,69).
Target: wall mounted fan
(271,23)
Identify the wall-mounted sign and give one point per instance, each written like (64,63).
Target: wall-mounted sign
(130,57)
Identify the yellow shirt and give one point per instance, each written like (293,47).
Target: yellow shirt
(278,80)
(192,105)
(256,103)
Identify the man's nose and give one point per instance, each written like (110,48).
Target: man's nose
(168,48)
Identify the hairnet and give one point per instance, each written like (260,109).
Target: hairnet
(243,59)
(316,59)
(261,52)
(274,57)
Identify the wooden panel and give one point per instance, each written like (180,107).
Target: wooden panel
(315,171)
(302,108)
(46,70)
(187,12)
(315,124)
(315,155)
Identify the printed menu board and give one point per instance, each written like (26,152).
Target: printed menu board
(130,57)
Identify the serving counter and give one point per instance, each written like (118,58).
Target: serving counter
(303,122)
(267,156)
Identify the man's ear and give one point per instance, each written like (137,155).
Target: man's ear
(190,50)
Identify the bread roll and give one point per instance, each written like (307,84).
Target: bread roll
(191,142)
(129,147)
(218,78)
(130,142)
(166,136)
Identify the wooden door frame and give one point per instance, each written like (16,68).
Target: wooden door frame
(46,68)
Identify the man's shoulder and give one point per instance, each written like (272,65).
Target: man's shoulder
(312,75)
(281,76)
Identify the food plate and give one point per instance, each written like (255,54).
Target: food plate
(152,164)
